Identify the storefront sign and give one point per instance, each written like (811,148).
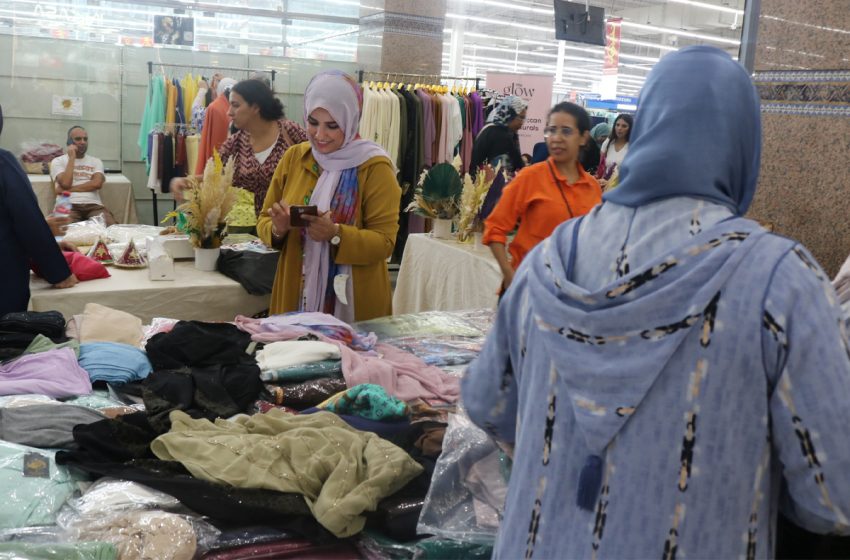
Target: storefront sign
(536,90)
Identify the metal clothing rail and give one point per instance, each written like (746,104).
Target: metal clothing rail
(387,75)
(151,64)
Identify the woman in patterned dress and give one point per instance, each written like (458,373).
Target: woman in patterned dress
(263,135)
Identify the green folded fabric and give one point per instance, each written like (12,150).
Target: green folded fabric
(42,344)
(304,372)
(70,551)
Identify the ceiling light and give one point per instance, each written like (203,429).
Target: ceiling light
(681,33)
(708,6)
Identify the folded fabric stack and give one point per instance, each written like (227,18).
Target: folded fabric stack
(281,436)
(113,362)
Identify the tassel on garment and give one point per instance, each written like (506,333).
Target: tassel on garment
(589,482)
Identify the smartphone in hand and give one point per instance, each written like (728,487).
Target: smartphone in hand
(296,213)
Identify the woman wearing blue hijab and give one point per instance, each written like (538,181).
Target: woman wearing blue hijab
(670,374)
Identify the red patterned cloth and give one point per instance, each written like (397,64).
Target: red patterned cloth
(249,174)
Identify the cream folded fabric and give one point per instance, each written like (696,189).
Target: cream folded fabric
(288,353)
(104,324)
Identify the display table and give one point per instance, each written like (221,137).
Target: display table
(444,275)
(194,295)
(116,194)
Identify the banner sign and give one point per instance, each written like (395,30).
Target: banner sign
(536,90)
(611,63)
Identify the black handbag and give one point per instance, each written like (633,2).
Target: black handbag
(255,271)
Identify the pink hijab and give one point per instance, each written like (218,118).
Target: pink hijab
(340,96)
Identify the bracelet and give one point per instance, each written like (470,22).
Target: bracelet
(275,234)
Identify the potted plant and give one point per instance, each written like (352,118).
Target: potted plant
(437,197)
(202,216)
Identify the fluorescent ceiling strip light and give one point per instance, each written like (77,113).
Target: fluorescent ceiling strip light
(707,6)
(647,44)
(680,32)
(537,28)
(809,25)
(511,6)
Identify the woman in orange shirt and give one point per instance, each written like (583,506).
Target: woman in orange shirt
(545,194)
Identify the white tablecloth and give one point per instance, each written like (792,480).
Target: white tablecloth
(444,275)
(116,194)
(194,295)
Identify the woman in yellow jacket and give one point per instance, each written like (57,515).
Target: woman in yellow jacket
(337,263)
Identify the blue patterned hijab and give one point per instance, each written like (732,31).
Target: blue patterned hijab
(697,133)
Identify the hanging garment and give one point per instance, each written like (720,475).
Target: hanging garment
(154,113)
(214,133)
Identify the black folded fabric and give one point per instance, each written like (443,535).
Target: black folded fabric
(211,392)
(195,343)
(255,271)
(49,323)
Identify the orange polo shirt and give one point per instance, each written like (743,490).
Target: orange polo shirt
(533,200)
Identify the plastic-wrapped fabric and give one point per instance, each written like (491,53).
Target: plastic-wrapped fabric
(58,551)
(123,233)
(374,546)
(44,425)
(303,372)
(140,535)
(255,271)
(448,350)
(310,393)
(86,232)
(288,548)
(428,323)
(13,401)
(33,486)
(109,495)
(242,536)
(97,400)
(466,499)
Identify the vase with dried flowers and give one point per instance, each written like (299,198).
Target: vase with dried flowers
(472,199)
(208,202)
(437,197)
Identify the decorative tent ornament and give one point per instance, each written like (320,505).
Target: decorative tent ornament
(100,252)
(131,258)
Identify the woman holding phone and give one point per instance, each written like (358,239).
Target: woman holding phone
(332,209)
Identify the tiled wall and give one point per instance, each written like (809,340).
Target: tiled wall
(802,71)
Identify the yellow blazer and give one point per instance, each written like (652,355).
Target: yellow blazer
(365,246)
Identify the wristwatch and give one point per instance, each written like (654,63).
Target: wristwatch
(336,238)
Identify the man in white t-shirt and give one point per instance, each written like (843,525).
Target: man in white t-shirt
(81,175)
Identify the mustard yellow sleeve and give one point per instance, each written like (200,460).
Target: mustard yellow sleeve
(274,194)
(375,240)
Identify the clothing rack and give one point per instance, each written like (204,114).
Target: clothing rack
(151,64)
(436,77)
